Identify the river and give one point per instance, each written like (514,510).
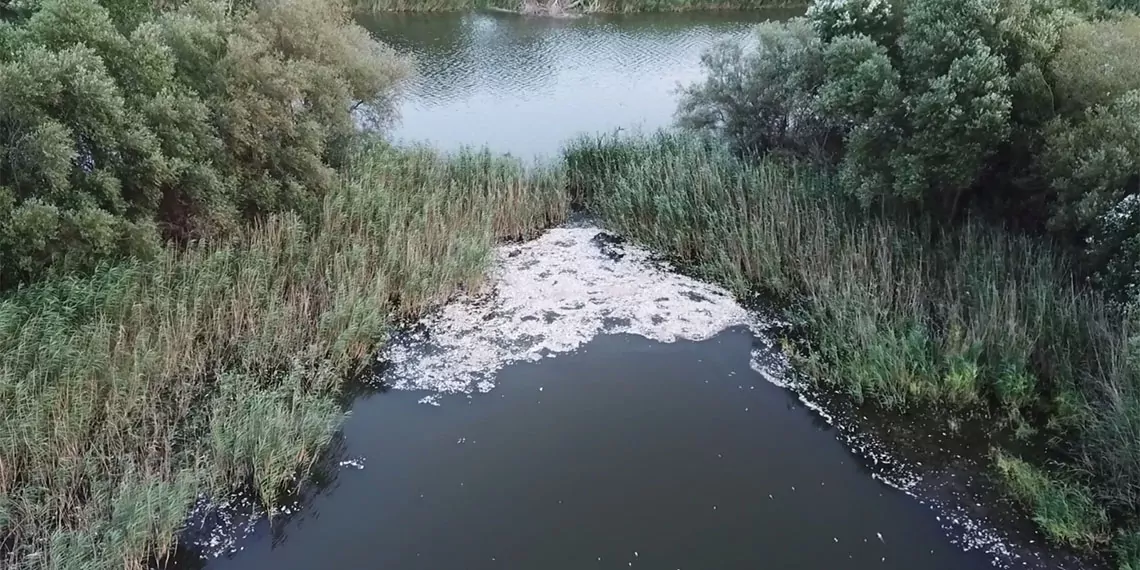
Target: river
(527,85)
(597,410)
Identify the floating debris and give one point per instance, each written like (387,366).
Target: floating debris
(355,463)
(553,295)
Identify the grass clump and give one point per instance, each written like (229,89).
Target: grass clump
(1126,549)
(126,394)
(1065,511)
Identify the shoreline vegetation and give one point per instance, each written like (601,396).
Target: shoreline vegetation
(198,246)
(980,324)
(219,367)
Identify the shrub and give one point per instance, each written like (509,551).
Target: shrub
(178,125)
(762,101)
(1093,164)
(1097,63)
(1018,109)
(876,19)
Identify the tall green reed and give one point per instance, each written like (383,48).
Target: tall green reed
(969,319)
(125,395)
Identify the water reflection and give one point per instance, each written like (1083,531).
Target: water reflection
(526,85)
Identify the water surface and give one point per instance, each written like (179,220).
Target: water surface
(626,453)
(620,452)
(525,85)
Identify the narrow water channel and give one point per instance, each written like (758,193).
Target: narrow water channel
(593,409)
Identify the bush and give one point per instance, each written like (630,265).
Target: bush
(1097,63)
(180,125)
(762,101)
(876,19)
(1018,109)
(1093,165)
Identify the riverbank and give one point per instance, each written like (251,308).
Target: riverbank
(570,7)
(130,393)
(970,322)
(232,357)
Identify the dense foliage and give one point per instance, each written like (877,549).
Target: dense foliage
(1021,109)
(1023,113)
(120,126)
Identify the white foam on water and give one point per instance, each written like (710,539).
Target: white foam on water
(553,295)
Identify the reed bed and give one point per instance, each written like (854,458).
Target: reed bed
(969,320)
(127,395)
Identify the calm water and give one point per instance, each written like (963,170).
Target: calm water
(526,85)
(627,453)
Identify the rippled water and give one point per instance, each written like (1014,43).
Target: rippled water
(526,85)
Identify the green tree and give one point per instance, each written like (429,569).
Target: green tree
(762,100)
(1093,165)
(118,132)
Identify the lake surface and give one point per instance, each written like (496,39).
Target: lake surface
(596,410)
(526,85)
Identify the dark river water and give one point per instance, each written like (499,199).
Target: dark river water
(625,453)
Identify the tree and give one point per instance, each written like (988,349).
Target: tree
(117,133)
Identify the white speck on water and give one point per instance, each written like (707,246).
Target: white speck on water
(355,463)
(553,295)
(225,523)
